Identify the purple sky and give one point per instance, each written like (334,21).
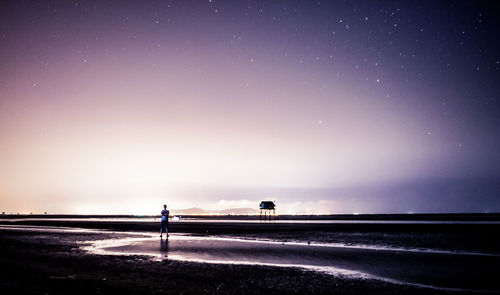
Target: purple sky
(323,106)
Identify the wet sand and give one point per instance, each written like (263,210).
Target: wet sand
(430,269)
(54,261)
(470,237)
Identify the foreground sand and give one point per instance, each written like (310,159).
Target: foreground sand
(53,263)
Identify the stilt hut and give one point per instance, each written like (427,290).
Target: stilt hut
(268,208)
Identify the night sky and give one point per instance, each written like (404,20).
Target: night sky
(323,106)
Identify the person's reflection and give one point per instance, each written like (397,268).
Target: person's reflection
(164,247)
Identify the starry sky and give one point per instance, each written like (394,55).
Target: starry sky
(323,106)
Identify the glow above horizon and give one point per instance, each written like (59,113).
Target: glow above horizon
(116,109)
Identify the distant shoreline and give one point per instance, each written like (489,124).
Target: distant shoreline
(419,216)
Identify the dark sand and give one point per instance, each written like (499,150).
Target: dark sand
(453,237)
(48,262)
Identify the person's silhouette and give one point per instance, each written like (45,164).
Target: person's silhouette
(164,221)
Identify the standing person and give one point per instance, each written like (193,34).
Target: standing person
(164,221)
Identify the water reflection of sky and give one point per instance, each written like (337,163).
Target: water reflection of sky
(288,221)
(429,267)
(358,261)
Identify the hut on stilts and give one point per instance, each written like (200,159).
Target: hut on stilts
(269,210)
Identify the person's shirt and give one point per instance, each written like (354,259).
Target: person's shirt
(164,215)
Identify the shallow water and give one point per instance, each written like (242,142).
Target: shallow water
(441,269)
(447,270)
(236,221)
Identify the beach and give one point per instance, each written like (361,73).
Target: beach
(288,147)
(64,256)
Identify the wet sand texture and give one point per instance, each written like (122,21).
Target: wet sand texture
(51,263)
(446,270)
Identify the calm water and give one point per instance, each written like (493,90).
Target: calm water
(434,269)
(427,267)
(225,220)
